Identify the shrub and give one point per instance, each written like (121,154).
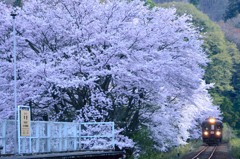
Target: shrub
(235,147)
(227,133)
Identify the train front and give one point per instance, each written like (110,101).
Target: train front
(212,131)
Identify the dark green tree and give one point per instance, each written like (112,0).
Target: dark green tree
(150,3)
(194,2)
(232,10)
(17,3)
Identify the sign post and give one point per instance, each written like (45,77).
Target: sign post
(24,126)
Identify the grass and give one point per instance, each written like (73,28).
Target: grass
(228,133)
(235,147)
(147,150)
(180,151)
(234,142)
(174,153)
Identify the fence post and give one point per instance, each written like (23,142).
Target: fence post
(49,137)
(61,125)
(37,136)
(80,135)
(113,136)
(4,136)
(65,137)
(75,136)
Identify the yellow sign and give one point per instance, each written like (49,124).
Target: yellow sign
(25,123)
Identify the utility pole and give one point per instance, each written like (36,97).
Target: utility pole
(15,83)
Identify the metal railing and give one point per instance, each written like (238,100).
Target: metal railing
(49,137)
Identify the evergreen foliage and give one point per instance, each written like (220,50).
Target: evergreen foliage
(235,146)
(150,3)
(233,9)
(194,2)
(17,3)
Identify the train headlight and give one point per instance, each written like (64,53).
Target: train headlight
(212,120)
(205,133)
(218,133)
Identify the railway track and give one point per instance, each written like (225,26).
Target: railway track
(206,153)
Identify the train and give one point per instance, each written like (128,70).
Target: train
(212,131)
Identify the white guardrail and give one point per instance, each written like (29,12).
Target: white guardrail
(49,137)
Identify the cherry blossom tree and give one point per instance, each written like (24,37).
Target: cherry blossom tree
(107,61)
(6,65)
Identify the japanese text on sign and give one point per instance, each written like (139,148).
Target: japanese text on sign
(25,123)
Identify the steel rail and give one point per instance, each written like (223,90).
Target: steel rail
(203,150)
(214,149)
(200,152)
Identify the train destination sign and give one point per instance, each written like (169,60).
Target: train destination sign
(25,122)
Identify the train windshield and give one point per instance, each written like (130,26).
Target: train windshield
(212,127)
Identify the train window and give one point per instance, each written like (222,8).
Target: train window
(212,127)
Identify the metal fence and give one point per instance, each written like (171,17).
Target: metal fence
(49,137)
